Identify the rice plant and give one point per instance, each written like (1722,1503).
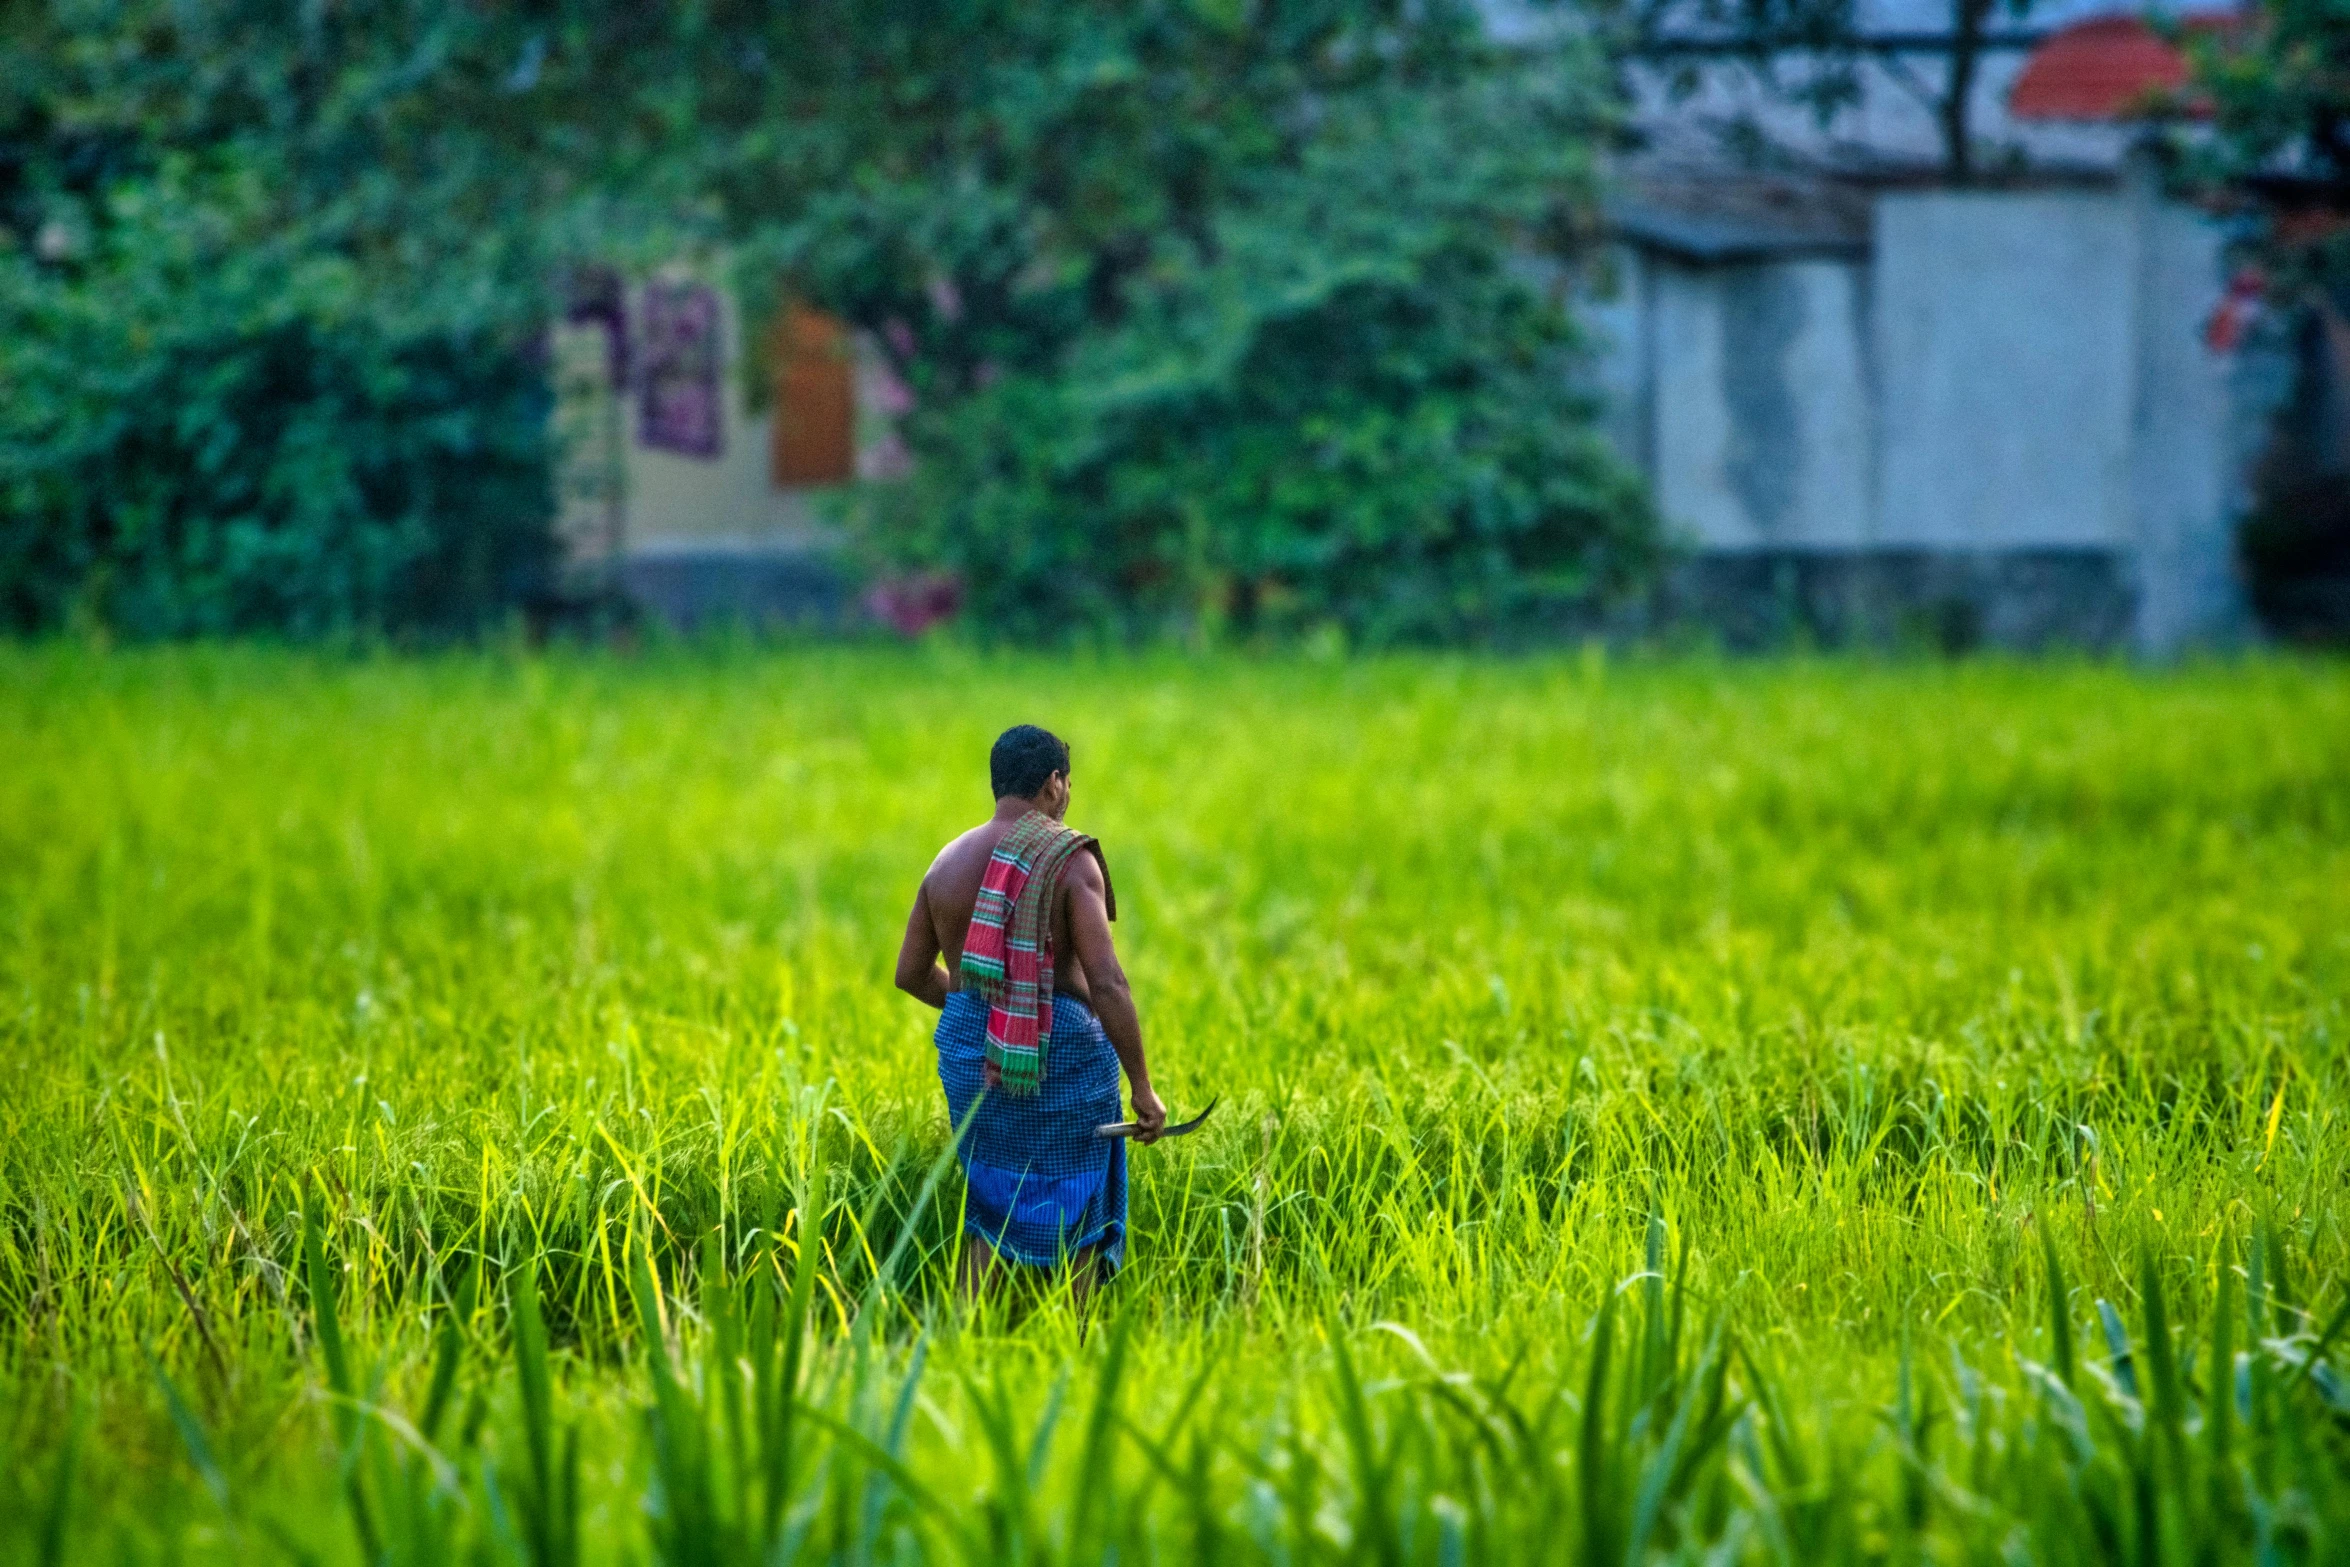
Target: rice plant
(454,1109)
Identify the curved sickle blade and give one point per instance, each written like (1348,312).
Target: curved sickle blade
(1179,1129)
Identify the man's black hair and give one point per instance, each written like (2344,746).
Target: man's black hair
(1023,758)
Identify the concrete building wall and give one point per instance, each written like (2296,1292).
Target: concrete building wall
(692,537)
(1761,431)
(2007,409)
(2005,329)
(2183,479)
(670,500)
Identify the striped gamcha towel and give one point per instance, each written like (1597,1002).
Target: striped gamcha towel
(1008,952)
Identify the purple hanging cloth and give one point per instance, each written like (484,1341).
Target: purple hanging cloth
(678,408)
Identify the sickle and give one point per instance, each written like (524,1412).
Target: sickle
(1180,1129)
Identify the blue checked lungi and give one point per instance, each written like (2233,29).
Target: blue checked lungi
(1041,1186)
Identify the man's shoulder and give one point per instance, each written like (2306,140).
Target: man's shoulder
(972,844)
(1089,872)
(1085,868)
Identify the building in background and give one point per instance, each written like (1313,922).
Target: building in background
(1879,411)
(697,457)
(1879,406)
(1875,406)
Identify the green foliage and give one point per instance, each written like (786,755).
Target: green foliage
(1215,316)
(1358,413)
(269,323)
(2278,156)
(2279,94)
(1774,1114)
(1212,321)
(204,436)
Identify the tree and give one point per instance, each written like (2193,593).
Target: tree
(1213,308)
(270,302)
(2278,89)
(1817,53)
(2278,92)
(1215,313)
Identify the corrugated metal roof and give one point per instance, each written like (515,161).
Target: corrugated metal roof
(1742,217)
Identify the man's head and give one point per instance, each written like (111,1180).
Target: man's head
(1029,763)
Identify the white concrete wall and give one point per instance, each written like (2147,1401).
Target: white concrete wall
(2010,371)
(1759,426)
(2005,331)
(2183,480)
(676,501)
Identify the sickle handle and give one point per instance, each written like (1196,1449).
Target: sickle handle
(1180,1129)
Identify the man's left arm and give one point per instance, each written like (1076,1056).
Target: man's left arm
(1113,1000)
(920,974)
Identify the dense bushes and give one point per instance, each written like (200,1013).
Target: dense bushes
(1400,458)
(2295,543)
(1213,317)
(203,437)
(1217,325)
(1374,432)
(270,302)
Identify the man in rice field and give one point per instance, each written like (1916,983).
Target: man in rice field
(1035,1021)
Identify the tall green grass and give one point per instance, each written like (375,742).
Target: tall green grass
(455,1110)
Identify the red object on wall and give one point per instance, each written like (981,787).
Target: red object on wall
(813,439)
(912,605)
(2107,68)
(2231,319)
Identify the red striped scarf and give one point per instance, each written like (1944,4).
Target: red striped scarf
(1008,952)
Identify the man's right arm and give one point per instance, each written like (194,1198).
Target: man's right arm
(1113,998)
(920,974)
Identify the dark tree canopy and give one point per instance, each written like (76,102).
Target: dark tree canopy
(1216,315)
(270,295)
(1822,54)
(1214,311)
(2278,91)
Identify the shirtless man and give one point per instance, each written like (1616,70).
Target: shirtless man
(1042,1189)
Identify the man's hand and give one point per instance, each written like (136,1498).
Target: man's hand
(1150,1113)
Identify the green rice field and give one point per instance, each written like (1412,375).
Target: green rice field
(454,1109)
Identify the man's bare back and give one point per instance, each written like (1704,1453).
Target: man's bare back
(1085,961)
(950,892)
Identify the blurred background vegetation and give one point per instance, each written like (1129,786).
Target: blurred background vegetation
(1217,316)
(1193,297)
